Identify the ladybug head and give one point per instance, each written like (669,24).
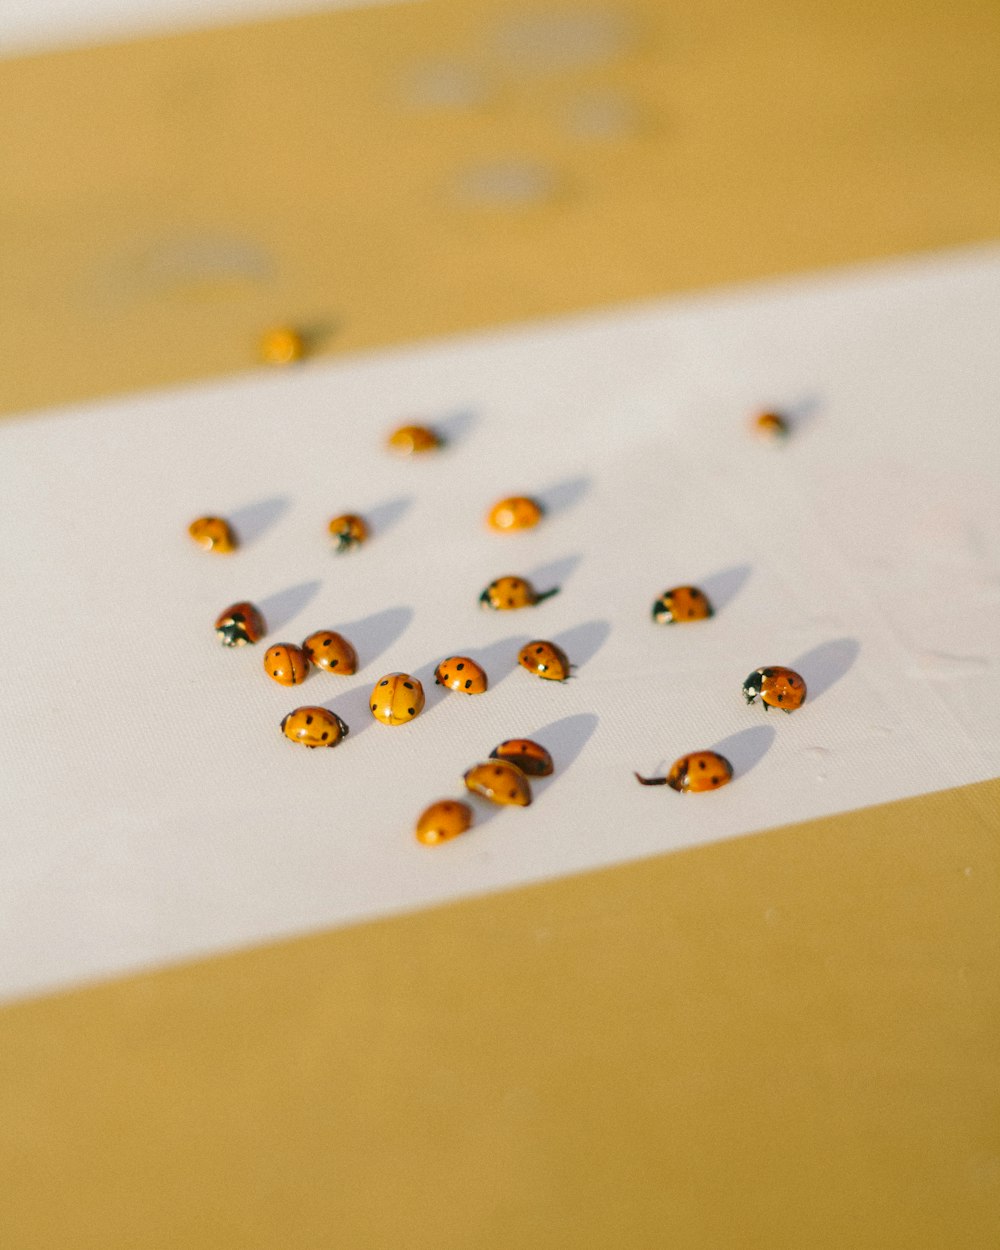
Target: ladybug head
(751,687)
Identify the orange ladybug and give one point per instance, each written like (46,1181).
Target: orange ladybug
(331,652)
(396,699)
(777,687)
(213,533)
(314,727)
(683,603)
(458,672)
(516,513)
(532,759)
(347,532)
(701,770)
(500,782)
(286,664)
(240,624)
(508,593)
(544,659)
(413,440)
(770,425)
(282,346)
(443,821)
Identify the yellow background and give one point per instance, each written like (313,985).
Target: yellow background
(782,1041)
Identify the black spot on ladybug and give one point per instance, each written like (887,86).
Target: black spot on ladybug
(325,736)
(510,602)
(781,698)
(334,663)
(498,772)
(277,671)
(539,650)
(460,667)
(716,780)
(374,707)
(468,684)
(327,641)
(383,683)
(408,685)
(410,711)
(701,764)
(513,794)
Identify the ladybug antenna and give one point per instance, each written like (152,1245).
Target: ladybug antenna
(651,781)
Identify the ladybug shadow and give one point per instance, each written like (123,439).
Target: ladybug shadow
(353,708)
(723,587)
(802,412)
(383,516)
(554,574)
(823,666)
(371,635)
(455,427)
(281,608)
(746,748)
(564,739)
(497,659)
(582,642)
(316,335)
(253,520)
(563,495)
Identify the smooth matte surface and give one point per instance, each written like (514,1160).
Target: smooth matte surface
(160,814)
(394,173)
(771,1043)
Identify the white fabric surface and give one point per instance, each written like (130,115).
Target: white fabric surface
(37,25)
(150,809)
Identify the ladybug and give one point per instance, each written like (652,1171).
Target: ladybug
(240,624)
(314,727)
(701,770)
(213,533)
(396,699)
(331,651)
(347,532)
(286,664)
(282,346)
(412,440)
(443,821)
(516,513)
(500,782)
(532,759)
(458,672)
(544,659)
(683,603)
(770,425)
(509,593)
(777,687)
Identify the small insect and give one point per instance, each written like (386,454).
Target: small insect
(545,659)
(213,533)
(777,687)
(314,727)
(443,821)
(770,425)
(683,603)
(458,672)
(396,699)
(701,770)
(500,782)
(240,624)
(516,513)
(532,759)
(412,440)
(332,652)
(286,664)
(509,593)
(347,532)
(282,346)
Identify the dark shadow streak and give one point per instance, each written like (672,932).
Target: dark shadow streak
(283,606)
(254,519)
(823,666)
(724,586)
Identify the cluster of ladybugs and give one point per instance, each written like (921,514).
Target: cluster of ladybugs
(398,698)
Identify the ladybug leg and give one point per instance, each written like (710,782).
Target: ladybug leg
(650,781)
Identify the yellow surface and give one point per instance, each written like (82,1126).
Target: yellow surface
(782,1042)
(165,202)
